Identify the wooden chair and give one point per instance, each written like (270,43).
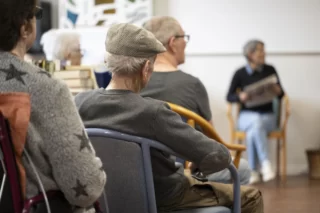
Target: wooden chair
(279,134)
(193,119)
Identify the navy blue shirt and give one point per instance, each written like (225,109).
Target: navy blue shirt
(246,76)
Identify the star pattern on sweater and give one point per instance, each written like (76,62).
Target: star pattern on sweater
(84,141)
(80,189)
(13,73)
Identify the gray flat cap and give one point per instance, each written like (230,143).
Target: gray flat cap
(131,40)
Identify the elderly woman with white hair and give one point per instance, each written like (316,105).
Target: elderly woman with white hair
(132,52)
(63,46)
(257,121)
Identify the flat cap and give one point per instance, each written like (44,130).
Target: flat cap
(130,40)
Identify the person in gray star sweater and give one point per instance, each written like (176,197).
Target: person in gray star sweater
(131,55)
(56,139)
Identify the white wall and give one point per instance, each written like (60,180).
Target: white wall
(299,73)
(286,25)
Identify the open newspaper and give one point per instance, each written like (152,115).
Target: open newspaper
(260,92)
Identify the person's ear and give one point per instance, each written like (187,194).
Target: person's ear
(172,45)
(146,70)
(25,30)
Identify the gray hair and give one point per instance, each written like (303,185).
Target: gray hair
(64,43)
(163,27)
(126,65)
(250,47)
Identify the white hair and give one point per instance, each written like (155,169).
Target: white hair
(64,44)
(163,27)
(56,45)
(126,65)
(251,46)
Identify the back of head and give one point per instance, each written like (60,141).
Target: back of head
(64,43)
(163,28)
(131,53)
(129,47)
(14,14)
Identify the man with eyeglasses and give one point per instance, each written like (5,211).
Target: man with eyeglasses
(167,82)
(170,84)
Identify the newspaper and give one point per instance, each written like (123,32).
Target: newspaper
(260,92)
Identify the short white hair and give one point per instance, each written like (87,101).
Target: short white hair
(57,44)
(163,28)
(126,65)
(64,44)
(251,46)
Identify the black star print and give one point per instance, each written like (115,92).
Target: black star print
(13,73)
(80,189)
(84,141)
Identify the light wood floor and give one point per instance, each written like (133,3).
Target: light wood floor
(298,195)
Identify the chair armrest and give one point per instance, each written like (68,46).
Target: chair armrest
(235,147)
(230,117)
(236,188)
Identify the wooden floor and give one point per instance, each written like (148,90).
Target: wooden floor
(298,195)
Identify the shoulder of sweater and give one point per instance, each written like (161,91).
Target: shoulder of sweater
(240,70)
(190,81)
(189,77)
(83,97)
(153,105)
(152,102)
(269,67)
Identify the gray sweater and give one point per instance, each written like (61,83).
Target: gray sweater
(128,112)
(56,140)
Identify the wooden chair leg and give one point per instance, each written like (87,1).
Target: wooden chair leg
(237,158)
(278,158)
(284,159)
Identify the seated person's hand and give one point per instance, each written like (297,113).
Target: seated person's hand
(243,96)
(196,173)
(275,88)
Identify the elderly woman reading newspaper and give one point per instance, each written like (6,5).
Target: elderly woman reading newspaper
(259,84)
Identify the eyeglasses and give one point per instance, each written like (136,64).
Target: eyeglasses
(38,12)
(186,37)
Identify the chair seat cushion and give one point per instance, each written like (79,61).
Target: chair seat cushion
(219,209)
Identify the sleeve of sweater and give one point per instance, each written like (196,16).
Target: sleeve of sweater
(209,155)
(232,95)
(75,167)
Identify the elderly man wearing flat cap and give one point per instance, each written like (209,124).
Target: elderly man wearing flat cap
(131,55)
